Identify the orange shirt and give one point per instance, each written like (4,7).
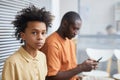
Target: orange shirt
(60,54)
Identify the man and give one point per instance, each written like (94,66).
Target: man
(60,51)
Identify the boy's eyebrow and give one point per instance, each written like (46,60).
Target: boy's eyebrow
(34,29)
(38,30)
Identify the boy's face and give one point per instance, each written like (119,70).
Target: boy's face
(34,35)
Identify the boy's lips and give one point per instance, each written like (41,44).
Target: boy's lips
(40,44)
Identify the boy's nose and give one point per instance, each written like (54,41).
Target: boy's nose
(40,36)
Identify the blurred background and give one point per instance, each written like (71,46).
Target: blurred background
(100,25)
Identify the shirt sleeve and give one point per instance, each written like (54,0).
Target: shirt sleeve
(45,66)
(8,71)
(53,59)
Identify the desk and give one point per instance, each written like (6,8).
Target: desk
(95,78)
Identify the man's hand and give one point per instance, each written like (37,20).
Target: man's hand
(88,65)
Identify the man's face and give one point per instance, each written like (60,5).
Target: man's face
(73,29)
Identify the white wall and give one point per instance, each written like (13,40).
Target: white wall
(96,15)
(68,5)
(55,10)
(41,3)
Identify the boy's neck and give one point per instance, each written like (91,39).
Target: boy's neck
(33,52)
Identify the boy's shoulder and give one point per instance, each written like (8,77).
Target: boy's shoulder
(41,54)
(12,58)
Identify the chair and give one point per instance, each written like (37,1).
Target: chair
(95,54)
(117,55)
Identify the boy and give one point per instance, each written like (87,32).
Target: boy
(28,63)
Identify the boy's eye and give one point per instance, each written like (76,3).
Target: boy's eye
(43,33)
(34,33)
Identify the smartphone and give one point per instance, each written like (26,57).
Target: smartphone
(99,59)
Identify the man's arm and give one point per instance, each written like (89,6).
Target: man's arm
(87,65)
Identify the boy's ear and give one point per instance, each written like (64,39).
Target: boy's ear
(22,35)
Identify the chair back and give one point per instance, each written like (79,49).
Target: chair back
(117,55)
(95,54)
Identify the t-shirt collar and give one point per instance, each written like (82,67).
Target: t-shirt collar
(27,56)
